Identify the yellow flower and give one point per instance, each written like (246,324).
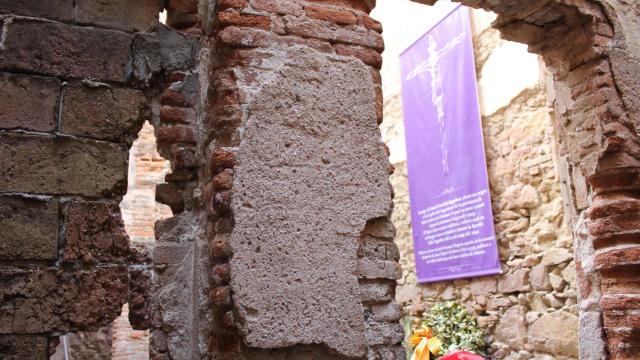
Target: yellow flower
(425,344)
(421,352)
(435,345)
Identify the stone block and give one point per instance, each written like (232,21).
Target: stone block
(539,278)
(54,165)
(61,10)
(512,328)
(24,347)
(383,333)
(483,286)
(29,228)
(555,333)
(106,113)
(514,282)
(28,102)
(368,56)
(95,233)
(164,50)
(68,51)
(119,14)
(308,177)
(556,256)
(49,299)
(375,291)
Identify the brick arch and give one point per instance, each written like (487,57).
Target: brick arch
(583,45)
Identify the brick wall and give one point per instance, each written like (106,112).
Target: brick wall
(147,168)
(76,88)
(268,112)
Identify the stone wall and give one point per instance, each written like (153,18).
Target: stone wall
(535,244)
(588,48)
(248,267)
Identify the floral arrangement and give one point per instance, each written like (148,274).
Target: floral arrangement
(445,329)
(424,344)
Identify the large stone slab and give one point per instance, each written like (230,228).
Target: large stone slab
(311,171)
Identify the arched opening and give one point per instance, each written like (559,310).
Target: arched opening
(541,282)
(537,285)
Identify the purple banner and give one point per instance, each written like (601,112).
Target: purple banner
(451,216)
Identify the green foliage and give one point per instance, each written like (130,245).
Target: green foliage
(456,328)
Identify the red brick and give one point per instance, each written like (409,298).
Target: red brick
(176,134)
(174,98)
(608,259)
(95,232)
(171,195)
(249,37)
(62,166)
(365,6)
(337,16)
(219,248)
(223,158)
(221,274)
(371,23)
(61,10)
(183,158)
(50,299)
(245,20)
(237,4)
(221,296)
(29,228)
(223,180)
(613,224)
(28,102)
(620,281)
(68,51)
(119,14)
(114,114)
(222,202)
(325,31)
(283,7)
(171,114)
(368,56)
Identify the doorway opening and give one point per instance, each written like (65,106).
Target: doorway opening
(537,288)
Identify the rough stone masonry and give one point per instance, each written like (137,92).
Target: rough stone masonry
(280,244)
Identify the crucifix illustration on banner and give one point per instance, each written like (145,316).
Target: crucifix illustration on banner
(432,65)
(451,215)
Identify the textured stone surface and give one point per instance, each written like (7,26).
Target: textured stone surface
(48,165)
(555,333)
(71,50)
(511,328)
(94,232)
(61,10)
(44,300)
(28,102)
(107,113)
(24,347)
(119,14)
(309,175)
(29,228)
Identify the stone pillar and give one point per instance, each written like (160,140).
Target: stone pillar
(298,192)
